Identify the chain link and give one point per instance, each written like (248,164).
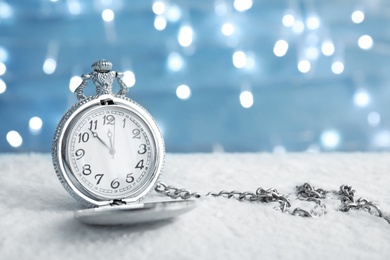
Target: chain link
(175,193)
(305,192)
(348,202)
(308,193)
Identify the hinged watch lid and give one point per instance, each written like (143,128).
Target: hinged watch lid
(133,213)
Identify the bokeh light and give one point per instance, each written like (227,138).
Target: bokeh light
(173,13)
(3,86)
(327,48)
(337,67)
(74,82)
(220,7)
(3,54)
(280,48)
(330,139)
(183,92)
(129,78)
(159,7)
(246,99)
(288,20)
(382,139)
(35,124)
(175,61)
(242,5)
(108,15)
(313,22)
(3,69)
(365,42)
(357,16)
(239,59)
(185,36)
(49,66)
(298,27)
(361,98)
(14,139)
(373,119)
(160,22)
(227,29)
(6,11)
(304,66)
(74,7)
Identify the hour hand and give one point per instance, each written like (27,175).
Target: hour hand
(95,135)
(110,136)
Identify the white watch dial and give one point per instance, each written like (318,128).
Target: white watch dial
(111,152)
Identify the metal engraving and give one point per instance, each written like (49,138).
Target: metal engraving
(103,79)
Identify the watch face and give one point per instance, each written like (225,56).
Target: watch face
(111,152)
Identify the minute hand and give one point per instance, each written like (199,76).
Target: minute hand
(95,134)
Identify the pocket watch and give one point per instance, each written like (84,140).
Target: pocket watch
(108,153)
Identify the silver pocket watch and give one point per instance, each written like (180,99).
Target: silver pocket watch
(108,153)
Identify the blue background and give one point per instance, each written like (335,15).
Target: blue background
(292,111)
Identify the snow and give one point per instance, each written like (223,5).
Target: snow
(36,220)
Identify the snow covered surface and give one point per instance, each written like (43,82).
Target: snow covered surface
(36,218)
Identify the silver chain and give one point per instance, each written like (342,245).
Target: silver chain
(348,202)
(175,193)
(305,192)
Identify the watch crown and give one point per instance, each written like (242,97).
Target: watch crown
(102,66)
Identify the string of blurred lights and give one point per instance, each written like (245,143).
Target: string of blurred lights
(305,31)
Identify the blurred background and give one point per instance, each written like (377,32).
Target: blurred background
(217,75)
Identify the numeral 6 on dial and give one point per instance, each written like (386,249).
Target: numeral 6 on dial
(115,183)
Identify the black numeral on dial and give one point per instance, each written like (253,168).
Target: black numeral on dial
(87,169)
(108,120)
(142,149)
(92,125)
(115,183)
(129,178)
(98,177)
(83,137)
(140,165)
(79,154)
(136,133)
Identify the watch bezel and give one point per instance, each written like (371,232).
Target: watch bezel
(59,150)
